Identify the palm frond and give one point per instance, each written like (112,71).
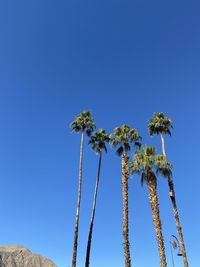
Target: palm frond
(162,166)
(143,178)
(143,163)
(84,121)
(123,137)
(120,151)
(160,124)
(98,141)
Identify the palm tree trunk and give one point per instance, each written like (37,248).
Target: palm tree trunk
(153,198)
(78,203)
(163,144)
(87,261)
(177,220)
(175,210)
(125,175)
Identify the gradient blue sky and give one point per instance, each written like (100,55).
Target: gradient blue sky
(122,60)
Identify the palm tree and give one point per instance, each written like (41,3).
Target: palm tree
(144,165)
(121,139)
(83,123)
(161,125)
(98,144)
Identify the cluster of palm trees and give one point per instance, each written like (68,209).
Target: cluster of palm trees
(146,163)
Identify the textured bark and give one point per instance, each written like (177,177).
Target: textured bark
(177,220)
(125,175)
(153,199)
(175,210)
(87,261)
(78,204)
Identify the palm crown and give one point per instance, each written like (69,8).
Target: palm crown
(98,141)
(84,121)
(163,166)
(160,124)
(122,137)
(146,163)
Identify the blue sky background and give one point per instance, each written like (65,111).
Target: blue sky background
(122,60)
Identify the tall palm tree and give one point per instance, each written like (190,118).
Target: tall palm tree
(144,164)
(121,139)
(98,144)
(83,123)
(161,125)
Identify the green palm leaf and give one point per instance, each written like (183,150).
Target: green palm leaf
(122,137)
(84,121)
(146,163)
(160,124)
(98,141)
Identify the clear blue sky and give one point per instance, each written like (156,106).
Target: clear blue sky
(122,60)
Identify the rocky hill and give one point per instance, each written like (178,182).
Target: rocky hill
(17,256)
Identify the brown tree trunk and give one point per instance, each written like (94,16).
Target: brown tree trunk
(177,220)
(78,203)
(153,199)
(87,261)
(125,175)
(175,210)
